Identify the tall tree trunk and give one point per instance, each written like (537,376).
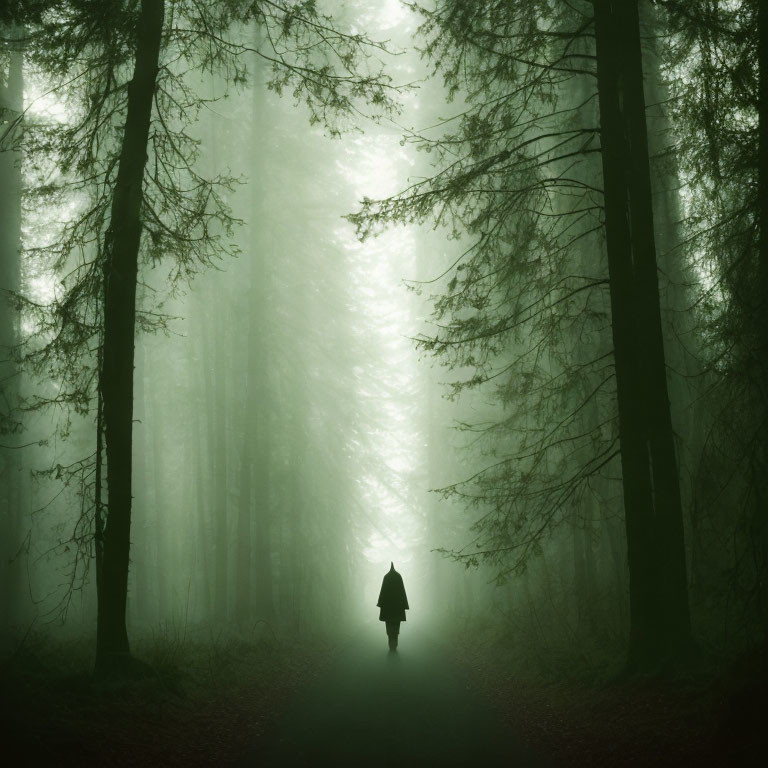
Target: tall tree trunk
(163,563)
(683,352)
(220,471)
(208,338)
(140,594)
(263,600)
(202,538)
(121,251)
(259,413)
(674,614)
(762,168)
(244,515)
(761,511)
(676,275)
(659,614)
(11,107)
(262,471)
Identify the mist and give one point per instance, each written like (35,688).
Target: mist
(298,294)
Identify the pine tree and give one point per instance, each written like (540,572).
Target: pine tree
(126,65)
(526,308)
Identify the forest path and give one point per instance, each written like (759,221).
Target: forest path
(373,708)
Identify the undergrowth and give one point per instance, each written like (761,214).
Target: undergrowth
(208,695)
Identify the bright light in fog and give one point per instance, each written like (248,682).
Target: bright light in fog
(374,166)
(379,265)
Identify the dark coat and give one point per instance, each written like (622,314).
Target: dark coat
(392,598)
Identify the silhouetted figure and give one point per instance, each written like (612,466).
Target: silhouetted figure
(393,604)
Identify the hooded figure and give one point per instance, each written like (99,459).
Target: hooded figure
(393,604)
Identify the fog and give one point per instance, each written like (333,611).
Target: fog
(282,414)
(294,292)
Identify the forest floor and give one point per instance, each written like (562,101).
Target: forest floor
(225,700)
(208,701)
(715,718)
(412,708)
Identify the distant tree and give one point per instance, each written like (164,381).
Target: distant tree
(527,310)
(124,68)
(254,502)
(718,66)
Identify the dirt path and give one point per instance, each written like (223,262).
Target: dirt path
(374,708)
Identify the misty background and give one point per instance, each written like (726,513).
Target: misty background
(294,290)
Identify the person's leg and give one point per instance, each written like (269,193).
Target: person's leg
(393,630)
(393,627)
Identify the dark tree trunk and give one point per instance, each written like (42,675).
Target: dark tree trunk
(762,168)
(121,250)
(11,104)
(659,615)
(666,509)
(761,512)
(676,275)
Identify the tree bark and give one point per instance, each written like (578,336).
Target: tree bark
(760,522)
(121,251)
(659,614)
(762,168)
(12,105)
